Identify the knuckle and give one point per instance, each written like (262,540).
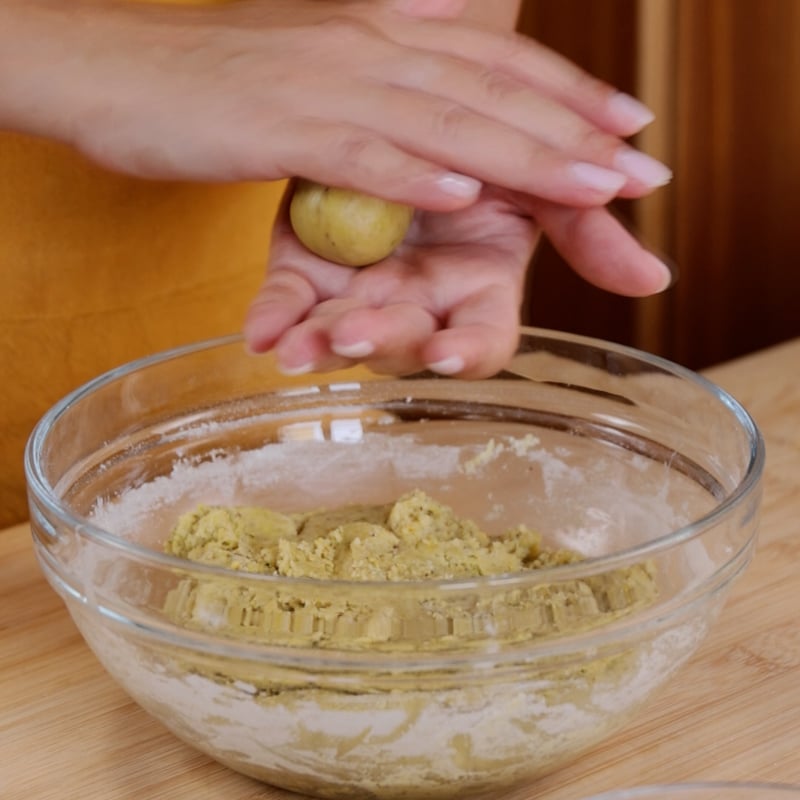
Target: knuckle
(449,121)
(596,144)
(356,154)
(371,160)
(511,48)
(499,87)
(536,159)
(590,87)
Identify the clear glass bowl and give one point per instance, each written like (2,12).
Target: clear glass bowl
(715,790)
(434,688)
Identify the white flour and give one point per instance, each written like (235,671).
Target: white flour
(418,744)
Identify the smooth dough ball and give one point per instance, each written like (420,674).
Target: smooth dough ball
(345,226)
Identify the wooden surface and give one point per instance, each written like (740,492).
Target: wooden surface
(68,733)
(734,200)
(723,77)
(600,36)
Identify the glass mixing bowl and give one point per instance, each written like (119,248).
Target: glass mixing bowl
(427,688)
(713,790)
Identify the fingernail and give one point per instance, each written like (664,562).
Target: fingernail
(669,276)
(447,366)
(642,167)
(459,185)
(356,350)
(630,111)
(300,369)
(599,178)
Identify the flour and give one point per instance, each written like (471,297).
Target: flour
(404,744)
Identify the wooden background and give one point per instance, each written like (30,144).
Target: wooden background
(724,78)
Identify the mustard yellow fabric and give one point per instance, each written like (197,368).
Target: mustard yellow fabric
(98,268)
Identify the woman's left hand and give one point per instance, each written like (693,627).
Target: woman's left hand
(448,299)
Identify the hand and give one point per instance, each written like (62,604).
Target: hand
(355,94)
(448,299)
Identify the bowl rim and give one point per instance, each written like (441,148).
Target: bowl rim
(46,494)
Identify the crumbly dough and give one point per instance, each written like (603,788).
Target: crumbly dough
(357,734)
(414,539)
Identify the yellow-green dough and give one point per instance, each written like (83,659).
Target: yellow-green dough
(345,226)
(354,732)
(414,539)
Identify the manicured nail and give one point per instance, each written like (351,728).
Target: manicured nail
(459,185)
(360,349)
(642,167)
(668,278)
(598,178)
(630,111)
(448,366)
(300,369)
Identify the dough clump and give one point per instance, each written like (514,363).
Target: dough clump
(414,539)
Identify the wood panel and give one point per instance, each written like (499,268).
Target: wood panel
(600,36)
(654,215)
(724,78)
(737,187)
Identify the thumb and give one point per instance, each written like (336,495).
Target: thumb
(431,9)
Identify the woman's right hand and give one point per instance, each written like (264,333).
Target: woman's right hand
(354,94)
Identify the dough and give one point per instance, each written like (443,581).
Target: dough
(445,726)
(414,539)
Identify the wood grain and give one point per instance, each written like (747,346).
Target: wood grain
(736,194)
(601,36)
(67,732)
(723,77)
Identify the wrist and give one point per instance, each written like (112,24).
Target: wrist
(63,65)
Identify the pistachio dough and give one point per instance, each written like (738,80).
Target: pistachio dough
(345,226)
(414,539)
(414,717)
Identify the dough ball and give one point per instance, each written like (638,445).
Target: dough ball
(345,226)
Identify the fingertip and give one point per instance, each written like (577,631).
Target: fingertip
(630,114)
(461,187)
(664,275)
(256,339)
(293,356)
(441,192)
(469,353)
(306,348)
(449,365)
(649,173)
(606,182)
(356,350)
(303,368)
(650,277)
(604,252)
